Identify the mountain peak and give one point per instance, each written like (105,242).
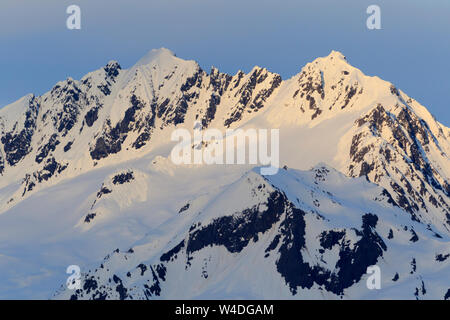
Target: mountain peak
(334,63)
(156,56)
(336,55)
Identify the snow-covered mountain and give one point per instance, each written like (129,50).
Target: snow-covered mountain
(86,173)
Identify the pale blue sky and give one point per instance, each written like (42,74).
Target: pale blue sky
(412,50)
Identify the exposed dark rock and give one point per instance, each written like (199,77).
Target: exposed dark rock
(111,140)
(219,82)
(352,263)
(72,98)
(18,144)
(211,110)
(89,217)
(155,288)
(2,164)
(273,245)
(142,267)
(349,95)
(91,116)
(391,234)
(112,69)
(440,257)
(246,92)
(166,257)
(413,265)
(184,208)
(396,277)
(447,295)
(90,284)
(120,288)
(103,190)
(68,146)
(105,89)
(122,178)
(330,238)
(50,146)
(194,81)
(50,169)
(235,232)
(414,237)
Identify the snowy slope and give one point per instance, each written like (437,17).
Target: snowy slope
(85,169)
(293,235)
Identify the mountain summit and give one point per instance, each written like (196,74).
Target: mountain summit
(87,165)
(156,56)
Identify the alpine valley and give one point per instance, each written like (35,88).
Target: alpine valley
(86,179)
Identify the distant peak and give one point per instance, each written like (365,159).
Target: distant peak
(162,51)
(336,55)
(113,64)
(112,68)
(156,55)
(335,60)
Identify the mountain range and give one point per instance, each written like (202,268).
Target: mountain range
(86,179)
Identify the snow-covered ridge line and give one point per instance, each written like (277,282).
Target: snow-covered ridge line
(361,125)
